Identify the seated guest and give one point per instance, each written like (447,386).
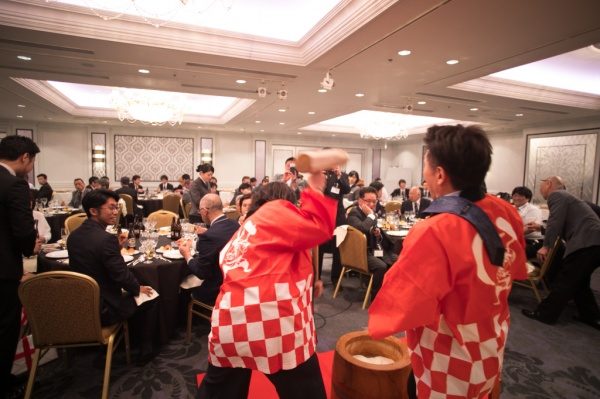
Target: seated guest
(384,196)
(104,183)
(77,195)
(415,203)
(136,184)
(43,228)
(379,209)
(205,263)
(93,184)
(264,181)
(164,184)
(184,184)
(534,239)
(253,183)
(127,189)
(243,205)
(244,188)
(379,247)
(353,179)
(214,189)
(97,253)
(402,191)
(45,191)
(424,190)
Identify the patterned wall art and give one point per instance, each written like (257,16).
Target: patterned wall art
(570,155)
(151,156)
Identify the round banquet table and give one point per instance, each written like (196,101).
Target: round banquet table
(150,205)
(163,276)
(56,221)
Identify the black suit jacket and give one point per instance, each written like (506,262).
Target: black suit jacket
(205,263)
(343,186)
(163,187)
(360,221)
(76,197)
(45,192)
(128,191)
(408,206)
(17,234)
(95,252)
(398,193)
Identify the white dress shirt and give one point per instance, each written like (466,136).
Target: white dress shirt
(531,213)
(43,226)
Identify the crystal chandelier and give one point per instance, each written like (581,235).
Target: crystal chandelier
(150,107)
(384,127)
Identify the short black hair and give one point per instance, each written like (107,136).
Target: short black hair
(377,185)
(524,191)
(124,181)
(135,177)
(272,191)
(244,186)
(205,168)
(97,198)
(78,179)
(243,197)
(104,183)
(92,179)
(366,190)
(354,173)
(290,159)
(465,153)
(185,176)
(43,175)
(401,181)
(253,180)
(164,177)
(213,184)
(12,147)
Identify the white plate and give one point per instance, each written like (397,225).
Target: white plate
(127,258)
(173,254)
(160,250)
(58,254)
(132,253)
(397,233)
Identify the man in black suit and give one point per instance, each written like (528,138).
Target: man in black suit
(164,184)
(127,189)
(45,191)
(136,184)
(200,187)
(205,264)
(77,195)
(17,238)
(379,247)
(401,191)
(415,203)
(94,184)
(95,252)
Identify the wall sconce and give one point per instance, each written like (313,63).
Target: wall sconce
(206,152)
(98,154)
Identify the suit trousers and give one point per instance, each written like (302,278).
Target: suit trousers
(10,326)
(573,282)
(336,264)
(303,381)
(378,267)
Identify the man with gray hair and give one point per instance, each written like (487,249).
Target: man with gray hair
(575,222)
(205,264)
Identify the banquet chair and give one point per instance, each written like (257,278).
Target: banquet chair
(63,311)
(392,206)
(163,218)
(129,204)
(536,275)
(353,256)
(74,221)
(198,308)
(186,209)
(233,215)
(171,203)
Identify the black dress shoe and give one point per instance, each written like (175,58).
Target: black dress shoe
(534,314)
(594,323)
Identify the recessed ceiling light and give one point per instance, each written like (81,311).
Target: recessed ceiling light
(199,127)
(240,81)
(333,135)
(281,110)
(104,121)
(311,112)
(404,53)
(299,133)
(473,109)
(20,116)
(24,58)
(322,91)
(359,95)
(452,62)
(282,123)
(421,102)
(518,114)
(20,105)
(143,71)
(256,121)
(262,130)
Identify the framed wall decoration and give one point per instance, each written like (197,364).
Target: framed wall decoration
(152,156)
(572,155)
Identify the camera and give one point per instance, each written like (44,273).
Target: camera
(294,171)
(262,92)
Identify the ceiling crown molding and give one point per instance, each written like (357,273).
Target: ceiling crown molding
(67,19)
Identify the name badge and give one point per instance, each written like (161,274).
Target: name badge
(378,253)
(335,190)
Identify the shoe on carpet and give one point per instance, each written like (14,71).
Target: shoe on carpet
(535,315)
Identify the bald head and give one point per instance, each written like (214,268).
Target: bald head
(212,202)
(414,194)
(551,184)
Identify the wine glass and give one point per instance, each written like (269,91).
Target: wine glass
(63,237)
(44,201)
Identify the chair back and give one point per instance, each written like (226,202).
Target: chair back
(554,256)
(128,202)
(392,206)
(353,250)
(62,308)
(186,210)
(162,218)
(233,215)
(171,202)
(74,221)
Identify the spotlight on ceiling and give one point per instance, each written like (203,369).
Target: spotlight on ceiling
(327,83)
(262,92)
(282,94)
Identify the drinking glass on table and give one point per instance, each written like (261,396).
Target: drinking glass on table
(44,201)
(63,237)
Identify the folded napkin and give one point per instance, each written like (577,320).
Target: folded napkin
(340,234)
(191,281)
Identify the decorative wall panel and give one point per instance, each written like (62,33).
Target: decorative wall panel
(98,154)
(570,156)
(150,157)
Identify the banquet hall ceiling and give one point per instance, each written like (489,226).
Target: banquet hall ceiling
(358,43)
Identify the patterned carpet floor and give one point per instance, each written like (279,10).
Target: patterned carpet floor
(560,361)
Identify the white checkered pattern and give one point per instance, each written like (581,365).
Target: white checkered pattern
(267,328)
(461,361)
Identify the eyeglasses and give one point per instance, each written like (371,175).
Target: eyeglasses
(110,208)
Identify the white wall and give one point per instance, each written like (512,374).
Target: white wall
(508,162)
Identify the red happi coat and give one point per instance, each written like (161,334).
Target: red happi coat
(262,319)
(452,302)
